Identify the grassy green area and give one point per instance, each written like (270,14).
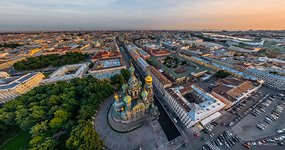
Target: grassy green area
(222,74)
(10,45)
(18,142)
(9,133)
(47,74)
(61,141)
(54,60)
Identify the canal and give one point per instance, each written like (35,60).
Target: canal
(167,125)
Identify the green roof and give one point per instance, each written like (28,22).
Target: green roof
(144,93)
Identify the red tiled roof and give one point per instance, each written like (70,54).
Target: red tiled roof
(180,101)
(160,76)
(231,88)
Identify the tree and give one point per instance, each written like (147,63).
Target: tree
(54,60)
(56,123)
(91,65)
(39,128)
(26,123)
(118,80)
(21,114)
(86,111)
(52,109)
(222,74)
(36,140)
(126,74)
(48,144)
(10,45)
(38,114)
(7,117)
(53,100)
(42,143)
(61,114)
(84,137)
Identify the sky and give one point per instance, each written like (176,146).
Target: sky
(27,15)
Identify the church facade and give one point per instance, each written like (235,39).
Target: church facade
(136,100)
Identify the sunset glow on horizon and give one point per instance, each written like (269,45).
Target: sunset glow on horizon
(142,14)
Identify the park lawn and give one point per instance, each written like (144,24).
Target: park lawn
(18,142)
(9,133)
(47,73)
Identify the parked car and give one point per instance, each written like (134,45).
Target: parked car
(246,145)
(227,144)
(214,123)
(219,142)
(261,109)
(205,131)
(268,121)
(231,124)
(281,143)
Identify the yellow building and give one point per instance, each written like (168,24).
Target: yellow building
(85,46)
(8,64)
(39,41)
(34,51)
(4,74)
(19,86)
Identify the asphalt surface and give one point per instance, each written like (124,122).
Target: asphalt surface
(148,136)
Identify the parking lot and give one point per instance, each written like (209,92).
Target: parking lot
(259,123)
(223,140)
(239,111)
(239,121)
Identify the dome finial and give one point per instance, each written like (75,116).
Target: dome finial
(116,96)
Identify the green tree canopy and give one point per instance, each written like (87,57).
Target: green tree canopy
(51,111)
(54,60)
(222,74)
(83,136)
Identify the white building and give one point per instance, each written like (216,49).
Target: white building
(271,80)
(67,72)
(106,68)
(203,107)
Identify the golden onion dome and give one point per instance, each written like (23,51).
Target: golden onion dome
(148,79)
(116,97)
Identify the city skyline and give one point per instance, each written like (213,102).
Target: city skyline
(17,15)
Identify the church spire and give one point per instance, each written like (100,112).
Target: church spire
(132,70)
